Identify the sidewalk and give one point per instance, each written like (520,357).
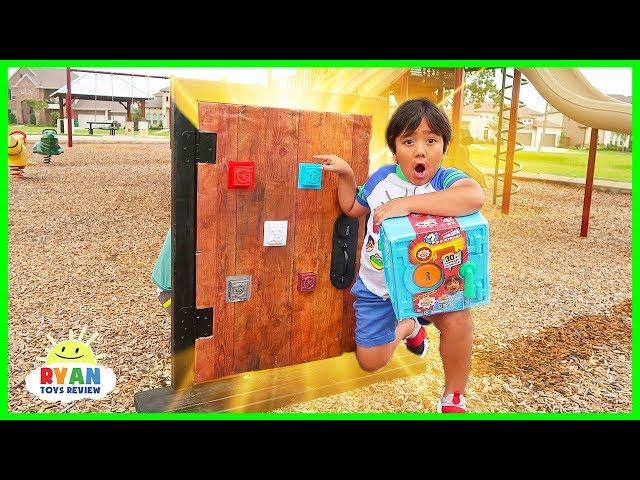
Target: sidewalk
(602,185)
(62,139)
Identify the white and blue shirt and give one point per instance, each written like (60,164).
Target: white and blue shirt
(386,184)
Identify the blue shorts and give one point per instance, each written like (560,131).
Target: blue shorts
(375,319)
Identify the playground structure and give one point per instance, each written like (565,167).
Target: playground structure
(564,88)
(204,342)
(18,153)
(48,145)
(102,86)
(570,93)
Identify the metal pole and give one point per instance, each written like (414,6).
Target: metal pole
(499,136)
(69,110)
(511,141)
(588,186)
(456,109)
(456,113)
(404,87)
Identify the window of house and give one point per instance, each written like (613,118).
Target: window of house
(13,94)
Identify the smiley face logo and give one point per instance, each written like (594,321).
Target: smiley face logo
(370,244)
(71,350)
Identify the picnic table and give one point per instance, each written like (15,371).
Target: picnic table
(111,126)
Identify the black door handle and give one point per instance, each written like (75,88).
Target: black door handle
(345,243)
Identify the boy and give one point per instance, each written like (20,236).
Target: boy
(418,135)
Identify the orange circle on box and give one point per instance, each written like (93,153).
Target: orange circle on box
(428,275)
(421,252)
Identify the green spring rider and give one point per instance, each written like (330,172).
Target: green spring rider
(48,144)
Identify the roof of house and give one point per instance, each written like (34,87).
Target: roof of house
(155,103)
(528,112)
(49,78)
(622,98)
(548,123)
(488,107)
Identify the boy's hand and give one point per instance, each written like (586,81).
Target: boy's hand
(395,208)
(333,163)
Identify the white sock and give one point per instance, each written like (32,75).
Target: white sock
(416,329)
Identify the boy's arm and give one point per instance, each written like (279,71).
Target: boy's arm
(347,191)
(347,188)
(464,197)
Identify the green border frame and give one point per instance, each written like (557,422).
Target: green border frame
(4,257)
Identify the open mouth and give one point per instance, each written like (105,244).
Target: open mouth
(419,169)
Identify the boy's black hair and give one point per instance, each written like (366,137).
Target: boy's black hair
(409,115)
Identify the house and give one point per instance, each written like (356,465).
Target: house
(157,110)
(481,123)
(166,108)
(535,129)
(153,111)
(607,138)
(85,111)
(35,84)
(539,129)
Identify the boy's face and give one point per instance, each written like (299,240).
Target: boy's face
(419,153)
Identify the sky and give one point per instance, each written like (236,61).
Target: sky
(607,80)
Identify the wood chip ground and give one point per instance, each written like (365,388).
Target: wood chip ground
(85,231)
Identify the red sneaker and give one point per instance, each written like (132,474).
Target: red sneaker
(418,344)
(452,403)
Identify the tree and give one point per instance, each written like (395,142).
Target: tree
(12,118)
(135,118)
(623,138)
(479,86)
(35,106)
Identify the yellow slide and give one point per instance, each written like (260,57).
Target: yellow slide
(571,94)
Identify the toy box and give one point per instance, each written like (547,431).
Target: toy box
(435,264)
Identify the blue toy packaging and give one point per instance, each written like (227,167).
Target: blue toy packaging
(435,264)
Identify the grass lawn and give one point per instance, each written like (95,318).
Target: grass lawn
(29,129)
(159,133)
(610,165)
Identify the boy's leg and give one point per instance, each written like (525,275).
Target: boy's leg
(378,332)
(374,358)
(456,338)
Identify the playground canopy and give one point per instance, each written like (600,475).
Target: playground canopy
(105,86)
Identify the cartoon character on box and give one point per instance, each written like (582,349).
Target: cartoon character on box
(437,257)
